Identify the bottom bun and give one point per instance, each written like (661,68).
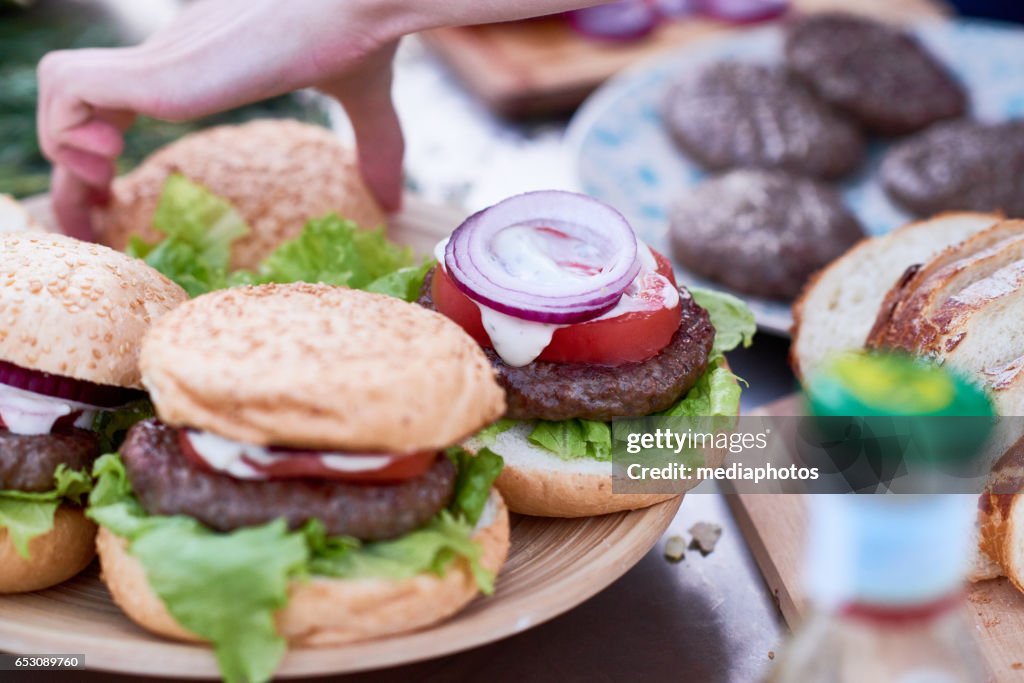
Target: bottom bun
(54,557)
(324,611)
(536,482)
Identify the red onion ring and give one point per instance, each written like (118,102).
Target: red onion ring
(742,11)
(470,260)
(58,386)
(622,20)
(675,9)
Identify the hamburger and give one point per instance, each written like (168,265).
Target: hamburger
(297,486)
(583,323)
(73,315)
(277,174)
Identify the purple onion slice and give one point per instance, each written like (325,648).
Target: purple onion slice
(621,20)
(58,386)
(549,256)
(742,11)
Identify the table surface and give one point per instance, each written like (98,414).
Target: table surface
(708,619)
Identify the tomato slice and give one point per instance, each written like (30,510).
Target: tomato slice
(310,465)
(628,338)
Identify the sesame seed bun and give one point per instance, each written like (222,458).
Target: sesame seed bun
(14,217)
(321,367)
(277,173)
(54,557)
(535,481)
(326,611)
(77,309)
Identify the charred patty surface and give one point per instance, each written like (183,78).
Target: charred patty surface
(734,114)
(562,391)
(883,77)
(958,166)
(27,463)
(761,232)
(166,483)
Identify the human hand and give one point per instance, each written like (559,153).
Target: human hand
(220,54)
(215,56)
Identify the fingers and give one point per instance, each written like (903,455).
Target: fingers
(92,169)
(72,202)
(73,87)
(380,147)
(366,96)
(95,136)
(83,140)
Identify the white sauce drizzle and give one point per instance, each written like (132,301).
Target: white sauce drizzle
(31,414)
(519,341)
(226,455)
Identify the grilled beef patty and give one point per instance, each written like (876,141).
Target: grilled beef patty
(166,483)
(561,391)
(27,463)
(733,114)
(882,77)
(761,232)
(959,165)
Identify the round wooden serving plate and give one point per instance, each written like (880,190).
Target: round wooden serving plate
(553,565)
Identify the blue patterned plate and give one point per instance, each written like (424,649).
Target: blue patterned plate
(623,155)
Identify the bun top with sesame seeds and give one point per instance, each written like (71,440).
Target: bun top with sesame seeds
(320,367)
(277,173)
(77,309)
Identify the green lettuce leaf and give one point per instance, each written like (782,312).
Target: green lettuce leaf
(111,426)
(716,393)
(572,439)
(488,435)
(734,322)
(26,515)
(199,228)
(338,252)
(26,519)
(473,485)
(248,571)
(404,283)
(227,586)
(430,548)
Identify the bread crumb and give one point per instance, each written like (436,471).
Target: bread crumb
(771,654)
(705,537)
(675,549)
(979,599)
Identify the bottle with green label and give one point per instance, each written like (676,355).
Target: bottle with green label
(884,573)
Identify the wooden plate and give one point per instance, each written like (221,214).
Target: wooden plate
(553,565)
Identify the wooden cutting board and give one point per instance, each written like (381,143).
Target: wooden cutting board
(541,66)
(774,525)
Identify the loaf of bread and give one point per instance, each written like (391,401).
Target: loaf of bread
(952,289)
(838,307)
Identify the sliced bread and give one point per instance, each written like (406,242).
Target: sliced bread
(839,306)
